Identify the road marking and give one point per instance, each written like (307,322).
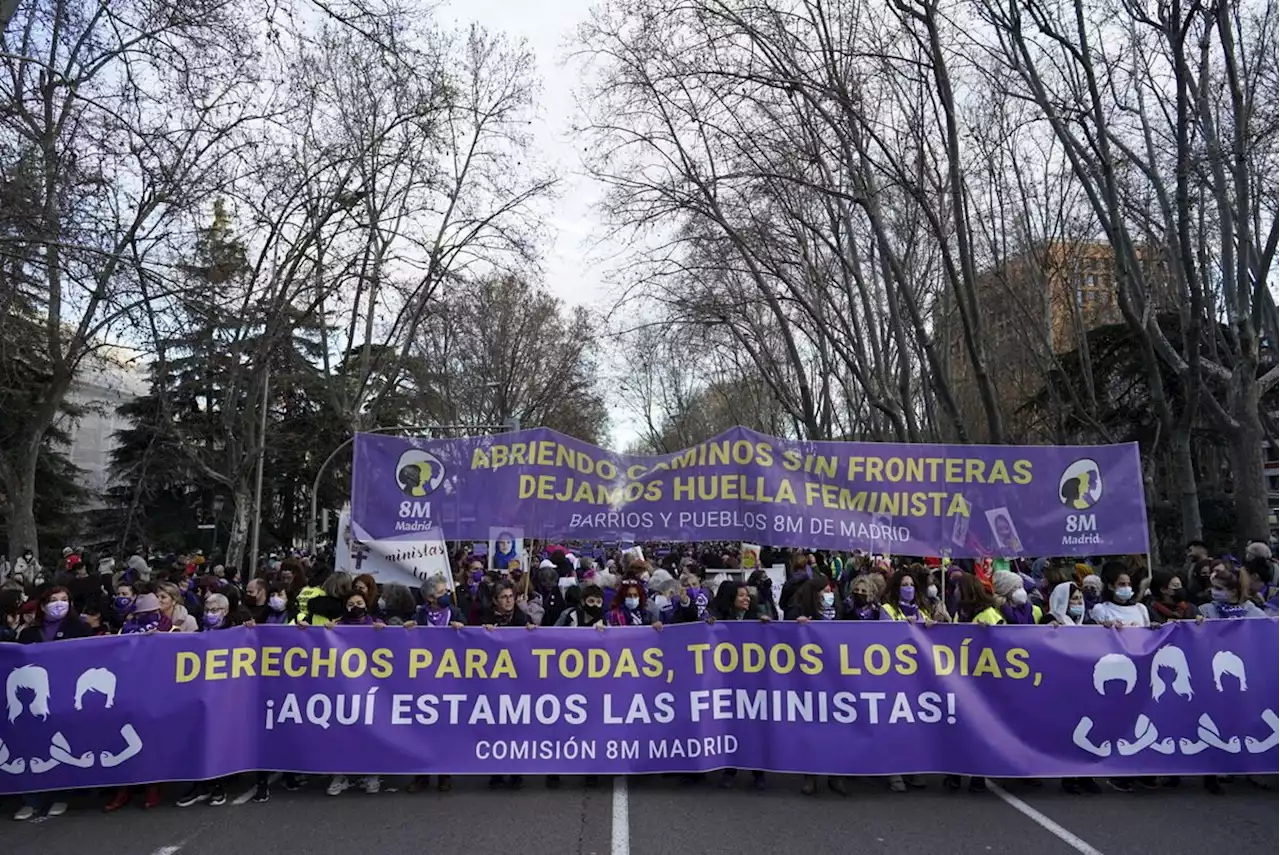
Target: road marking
(621,831)
(167,850)
(1041,820)
(248,794)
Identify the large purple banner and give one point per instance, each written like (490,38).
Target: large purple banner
(962,500)
(840,698)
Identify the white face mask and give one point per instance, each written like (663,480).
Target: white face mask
(566,582)
(661,601)
(931,592)
(828,599)
(1019,597)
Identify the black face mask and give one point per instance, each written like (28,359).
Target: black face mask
(1178,596)
(356,612)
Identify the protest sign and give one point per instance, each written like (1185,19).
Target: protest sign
(838,698)
(888,498)
(407,560)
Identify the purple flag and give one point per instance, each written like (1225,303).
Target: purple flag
(855,698)
(962,500)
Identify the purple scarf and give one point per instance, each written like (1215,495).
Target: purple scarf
(1232,610)
(428,616)
(276,617)
(1022,614)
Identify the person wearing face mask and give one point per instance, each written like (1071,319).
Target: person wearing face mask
(1066,606)
(816,599)
(763,586)
(255,600)
(27,566)
(900,599)
(57,621)
(1118,607)
(146,616)
(122,603)
(437,609)
(588,612)
(630,607)
(733,602)
(355,611)
(547,587)
(1229,598)
(1015,606)
(1169,599)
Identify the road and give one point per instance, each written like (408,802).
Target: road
(639,816)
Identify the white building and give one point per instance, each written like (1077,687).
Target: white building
(108,378)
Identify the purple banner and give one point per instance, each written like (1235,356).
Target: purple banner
(853,698)
(961,500)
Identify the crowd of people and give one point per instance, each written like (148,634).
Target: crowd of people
(187,593)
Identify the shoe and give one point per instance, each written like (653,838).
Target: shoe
(726,780)
(757,781)
(810,786)
(836,786)
(290,783)
(337,785)
(444,784)
(1089,785)
(914,782)
(1120,785)
(418,784)
(977,784)
(1212,785)
(56,809)
(951,782)
(192,796)
(1071,786)
(24,813)
(262,795)
(896,784)
(152,799)
(1149,783)
(119,800)
(553,782)
(372,785)
(218,797)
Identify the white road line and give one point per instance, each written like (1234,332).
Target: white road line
(1041,820)
(248,794)
(621,829)
(167,850)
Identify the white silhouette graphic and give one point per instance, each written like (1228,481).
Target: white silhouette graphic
(1226,662)
(31,677)
(1175,659)
(1145,736)
(1257,746)
(1081,738)
(1113,666)
(36,679)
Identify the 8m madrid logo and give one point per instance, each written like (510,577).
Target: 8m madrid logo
(1080,489)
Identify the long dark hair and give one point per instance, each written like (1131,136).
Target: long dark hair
(807,599)
(722,606)
(974,597)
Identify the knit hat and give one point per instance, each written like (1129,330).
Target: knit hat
(146,603)
(546,565)
(1091,581)
(1006,582)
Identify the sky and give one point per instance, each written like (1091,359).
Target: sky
(571,267)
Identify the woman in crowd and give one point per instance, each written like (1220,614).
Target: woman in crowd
(1066,606)
(122,603)
(900,599)
(733,602)
(1016,606)
(503,612)
(146,616)
(171,607)
(1229,597)
(355,611)
(1169,599)
(218,616)
(437,607)
(365,585)
(863,603)
(973,603)
(57,621)
(763,586)
(630,607)
(1118,607)
(396,605)
(588,612)
(816,599)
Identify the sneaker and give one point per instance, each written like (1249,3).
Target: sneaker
(193,796)
(372,784)
(1120,785)
(757,781)
(1212,785)
(24,813)
(337,785)
(977,784)
(218,797)
(262,795)
(836,786)
(57,809)
(291,783)
(418,784)
(444,783)
(1089,785)
(153,798)
(896,784)
(726,780)
(951,782)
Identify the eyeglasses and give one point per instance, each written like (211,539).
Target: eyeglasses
(506,596)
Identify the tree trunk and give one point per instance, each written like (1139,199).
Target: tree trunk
(22,501)
(1188,485)
(1247,475)
(241,519)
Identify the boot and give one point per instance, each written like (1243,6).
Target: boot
(152,799)
(119,800)
(810,785)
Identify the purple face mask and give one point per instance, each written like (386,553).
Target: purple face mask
(906,594)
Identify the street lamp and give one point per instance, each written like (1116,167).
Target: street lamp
(512,424)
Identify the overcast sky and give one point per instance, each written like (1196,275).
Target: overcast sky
(570,274)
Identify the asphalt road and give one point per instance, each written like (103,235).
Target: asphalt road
(661,815)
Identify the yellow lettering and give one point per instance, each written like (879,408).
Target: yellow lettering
(906,655)
(382,659)
(652,662)
(1017,668)
(449,664)
(698,651)
(215,661)
(354,662)
(419,660)
(242,661)
(271,661)
(188,666)
(476,662)
(626,664)
(290,668)
(504,667)
(810,659)
(987,664)
(326,659)
(542,654)
(479,459)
